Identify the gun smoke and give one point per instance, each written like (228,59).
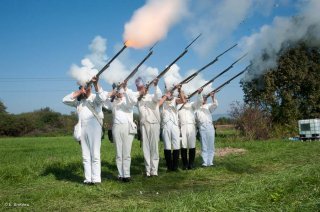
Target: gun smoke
(94,61)
(266,46)
(152,22)
(173,77)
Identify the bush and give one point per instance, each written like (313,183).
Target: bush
(43,122)
(251,121)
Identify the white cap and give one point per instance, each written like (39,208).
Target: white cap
(139,82)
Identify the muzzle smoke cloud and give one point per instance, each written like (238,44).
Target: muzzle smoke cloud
(264,47)
(152,22)
(94,61)
(173,77)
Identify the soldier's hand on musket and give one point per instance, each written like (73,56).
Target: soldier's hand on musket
(212,94)
(155,82)
(178,86)
(200,90)
(112,93)
(168,94)
(95,81)
(83,90)
(123,85)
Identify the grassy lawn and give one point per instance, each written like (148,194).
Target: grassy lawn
(41,174)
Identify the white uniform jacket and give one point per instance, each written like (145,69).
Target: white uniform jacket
(95,100)
(186,114)
(169,112)
(204,112)
(122,109)
(148,106)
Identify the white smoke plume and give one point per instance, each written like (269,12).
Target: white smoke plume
(216,20)
(98,48)
(148,73)
(152,22)
(95,61)
(264,46)
(84,73)
(97,58)
(173,77)
(89,65)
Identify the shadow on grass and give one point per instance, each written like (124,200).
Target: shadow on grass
(239,167)
(69,172)
(137,167)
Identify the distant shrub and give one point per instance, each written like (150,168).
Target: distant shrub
(224,121)
(251,121)
(43,122)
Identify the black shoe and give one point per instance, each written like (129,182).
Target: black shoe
(87,183)
(120,179)
(126,179)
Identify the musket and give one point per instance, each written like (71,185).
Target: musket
(168,67)
(213,79)
(108,64)
(225,83)
(135,70)
(192,76)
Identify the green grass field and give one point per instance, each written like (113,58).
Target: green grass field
(45,174)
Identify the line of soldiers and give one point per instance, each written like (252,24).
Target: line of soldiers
(155,111)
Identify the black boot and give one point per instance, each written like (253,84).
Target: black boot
(167,156)
(192,155)
(175,161)
(184,158)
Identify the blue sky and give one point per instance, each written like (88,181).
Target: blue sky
(41,39)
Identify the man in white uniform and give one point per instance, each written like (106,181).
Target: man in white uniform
(90,114)
(188,133)
(123,130)
(170,128)
(204,120)
(149,124)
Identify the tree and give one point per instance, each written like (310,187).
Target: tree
(290,91)
(3,108)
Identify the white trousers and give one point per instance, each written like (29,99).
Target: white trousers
(207,143)
(150,144)
(171,136)
(90,145)
(188,132)
(123,141)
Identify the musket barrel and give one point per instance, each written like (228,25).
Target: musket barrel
(138,66)
(112,59)
(135,70)
(193,41)
(214,78)
(191,77)
(226,82)
(173,62)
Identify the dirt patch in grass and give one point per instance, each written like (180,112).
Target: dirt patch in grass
(221,152)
